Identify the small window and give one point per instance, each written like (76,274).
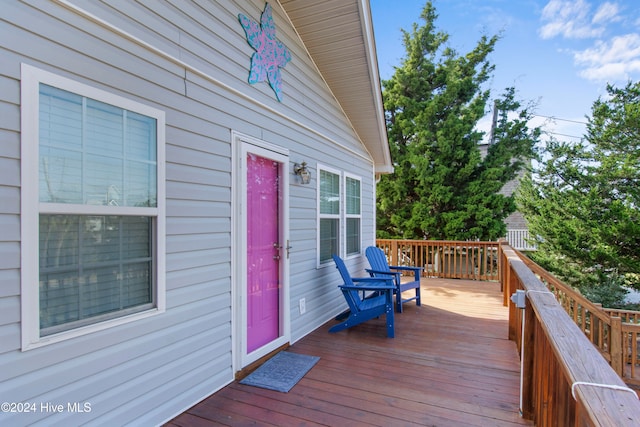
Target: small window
(353,215)
(93,210)
(329,214)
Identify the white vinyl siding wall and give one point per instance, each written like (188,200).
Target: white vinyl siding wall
(190,60)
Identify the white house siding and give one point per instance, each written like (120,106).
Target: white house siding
(193,64)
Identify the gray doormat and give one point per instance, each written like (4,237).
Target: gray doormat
(281,372)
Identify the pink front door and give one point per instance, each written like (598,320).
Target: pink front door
(263,251)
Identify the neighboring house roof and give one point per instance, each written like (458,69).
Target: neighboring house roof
(339,37)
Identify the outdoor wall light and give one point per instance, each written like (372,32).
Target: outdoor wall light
(302,171)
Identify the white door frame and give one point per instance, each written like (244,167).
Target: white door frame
(241,145)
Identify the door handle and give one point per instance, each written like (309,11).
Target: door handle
(288,248)
(277,246)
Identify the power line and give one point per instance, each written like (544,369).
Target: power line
(562,120)
(495,115)
(564,134)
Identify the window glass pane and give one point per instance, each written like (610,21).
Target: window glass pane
(95,153)
(92,266)
(140,184)
(329,193)
(104,129)
(141,165)
(59,293)
(103,181)
(329,242)
(141,137)
(60,175)
(353,196)
(60,156)
(54,230)
(100,293)
(60,118)
(353,236)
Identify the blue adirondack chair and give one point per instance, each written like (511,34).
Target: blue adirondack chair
(362,309)
(381,268)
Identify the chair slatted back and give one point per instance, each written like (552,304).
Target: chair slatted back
(342,268)
(353,298)
(376,258)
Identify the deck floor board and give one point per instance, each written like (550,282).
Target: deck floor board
(450,364)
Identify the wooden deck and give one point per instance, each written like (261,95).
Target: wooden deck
(450,364)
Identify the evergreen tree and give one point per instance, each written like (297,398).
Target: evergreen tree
(442,188)
(583,201)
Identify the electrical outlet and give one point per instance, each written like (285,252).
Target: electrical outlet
(303,306)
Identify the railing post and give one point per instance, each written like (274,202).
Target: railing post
(394,252)
(596,327)
(511,286)
(616,349)
(505,271)
(527,355)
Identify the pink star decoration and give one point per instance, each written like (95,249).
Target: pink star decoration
(270,55)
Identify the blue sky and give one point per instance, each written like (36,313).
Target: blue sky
(559,54)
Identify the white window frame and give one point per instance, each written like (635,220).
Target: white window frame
(31,77)
(338,216)
(348,215)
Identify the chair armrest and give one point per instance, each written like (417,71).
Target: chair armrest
(389,273)
(417,271)
(370,287)
(399,267)
(375,281)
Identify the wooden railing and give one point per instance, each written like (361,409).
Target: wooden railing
(519,239)
(445,259)
(575,354)
(613,332)
(627,316)
(629,349)
(565,381)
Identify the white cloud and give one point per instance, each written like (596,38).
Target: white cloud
(613,72)
(607,12)
(612,60)
(570,19)
(607,60)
